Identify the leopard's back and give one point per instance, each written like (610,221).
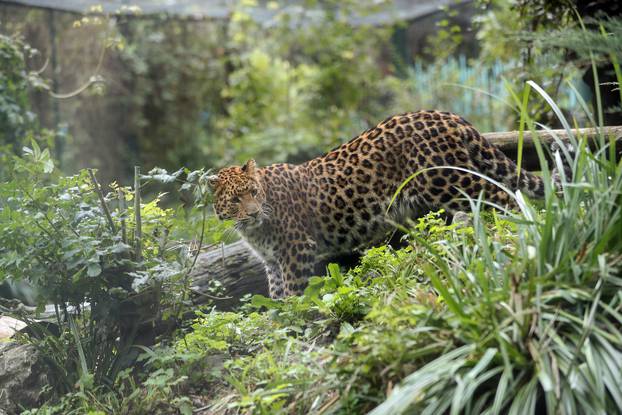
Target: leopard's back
(350,188)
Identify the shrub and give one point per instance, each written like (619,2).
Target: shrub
(103,265)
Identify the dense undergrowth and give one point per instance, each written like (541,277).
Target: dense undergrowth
(520,312)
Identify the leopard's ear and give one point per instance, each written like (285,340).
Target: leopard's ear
(249,168)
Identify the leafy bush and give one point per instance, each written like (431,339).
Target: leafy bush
(335,346)
(537,323)
(209,92)
(100,263)
(556,44)
(176,71)
(300,84)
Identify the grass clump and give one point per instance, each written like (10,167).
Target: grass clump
(343,344)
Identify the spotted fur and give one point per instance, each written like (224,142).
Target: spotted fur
(295,216)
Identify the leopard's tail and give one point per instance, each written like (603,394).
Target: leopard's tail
(491,161)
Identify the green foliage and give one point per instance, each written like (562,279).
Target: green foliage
(268,117)
(176,69)
(518,311)
(334,346)
(443,44)
(504,25)
(601,41)
(154,395)
(301,84)
(55,234)
(86,256)
(555,43)
(550,314)
(594,44)
(508,32)
(210,93)
(18,124)
(14,116)
(213,92)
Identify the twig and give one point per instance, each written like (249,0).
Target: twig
(194,261)
(123,208)
(96,78)
(92,81)
(102,200)
(138,232)
(328,404)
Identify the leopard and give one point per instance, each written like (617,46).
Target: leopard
(295,216)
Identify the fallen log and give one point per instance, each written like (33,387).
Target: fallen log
(238,271)
(508,142)
(235,267)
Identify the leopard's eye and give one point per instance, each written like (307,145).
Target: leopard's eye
(253,192)
(235,199)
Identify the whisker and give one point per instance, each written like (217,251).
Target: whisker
(267,210)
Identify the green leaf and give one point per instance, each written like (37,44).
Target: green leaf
(185,408)
(120,248)
(453,302)
(259,301)
(94,269)
(48,166)
(335,273)
(314,286)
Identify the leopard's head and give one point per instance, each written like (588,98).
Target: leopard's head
(238,194)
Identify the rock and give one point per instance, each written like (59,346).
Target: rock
(23,375)
(462,220)
(9,326)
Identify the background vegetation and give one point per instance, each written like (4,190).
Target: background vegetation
(169,91)
(519,312)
